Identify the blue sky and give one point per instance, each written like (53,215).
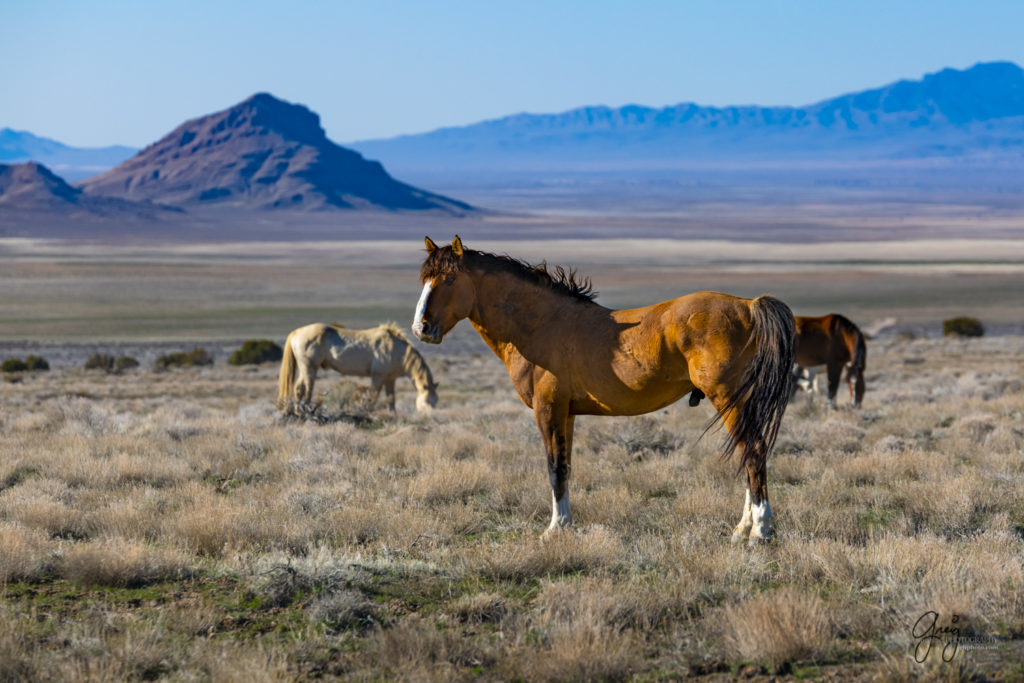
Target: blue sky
(103,72)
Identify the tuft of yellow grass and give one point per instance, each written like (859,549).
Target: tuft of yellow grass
(115,562)
(25,553)
(782,626)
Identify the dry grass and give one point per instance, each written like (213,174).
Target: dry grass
(173,526)
(115,562)
(784,626)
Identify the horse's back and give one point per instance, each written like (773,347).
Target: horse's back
(821,339)
(642,359)
(692,320)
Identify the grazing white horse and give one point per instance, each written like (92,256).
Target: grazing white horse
(381,353)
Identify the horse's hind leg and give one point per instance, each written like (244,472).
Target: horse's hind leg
(304,384)
(742,530)
(757,524)
(855,378)
(835,373)
(762,521)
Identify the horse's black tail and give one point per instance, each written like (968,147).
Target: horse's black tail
(855,372)
(860,350)
(767,382)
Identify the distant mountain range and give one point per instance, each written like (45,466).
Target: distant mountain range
(974,112)
(266,153)
(72,163)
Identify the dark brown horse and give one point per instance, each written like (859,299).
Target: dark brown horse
(569,356)
(835,342)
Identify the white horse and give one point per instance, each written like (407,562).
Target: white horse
(381,353)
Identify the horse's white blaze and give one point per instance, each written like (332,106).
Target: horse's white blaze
(561,515)
(421,307)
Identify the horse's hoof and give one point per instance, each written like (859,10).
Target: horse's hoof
(741,532)
(755,541)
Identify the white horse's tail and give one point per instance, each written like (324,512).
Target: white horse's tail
(286,383)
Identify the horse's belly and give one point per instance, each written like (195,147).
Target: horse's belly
(645,398)
(352,361)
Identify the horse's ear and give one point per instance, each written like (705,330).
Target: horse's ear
(430,245)
(457,246)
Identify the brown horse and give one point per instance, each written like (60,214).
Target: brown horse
(569,356)
(833,341)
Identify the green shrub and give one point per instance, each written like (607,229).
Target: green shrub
(37,363)
(182,359)
(100,361)
(13,365)
(125,362)
(963,326)
(256,351)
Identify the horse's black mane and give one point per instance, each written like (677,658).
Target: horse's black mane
(443,261)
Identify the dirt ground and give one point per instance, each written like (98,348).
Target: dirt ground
(57,291)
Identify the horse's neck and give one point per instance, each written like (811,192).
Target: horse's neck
(523,315)
(417,370)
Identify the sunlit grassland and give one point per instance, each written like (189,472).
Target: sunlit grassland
(171,525)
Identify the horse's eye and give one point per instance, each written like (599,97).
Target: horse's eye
(450,279)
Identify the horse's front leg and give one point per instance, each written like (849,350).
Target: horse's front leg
(389,392)
(376,384)
(556,426)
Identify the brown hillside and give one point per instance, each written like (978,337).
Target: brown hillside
(32,184)
(33,199)
(261,153)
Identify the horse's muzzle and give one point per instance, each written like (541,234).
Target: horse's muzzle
(426,332)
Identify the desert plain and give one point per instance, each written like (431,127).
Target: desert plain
(172,525)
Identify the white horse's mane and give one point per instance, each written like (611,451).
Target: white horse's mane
(394,329)
(388,327)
